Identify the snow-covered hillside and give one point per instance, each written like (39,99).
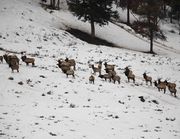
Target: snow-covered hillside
(42,103)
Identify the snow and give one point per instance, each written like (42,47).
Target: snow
(50,105)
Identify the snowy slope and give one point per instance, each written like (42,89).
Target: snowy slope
(125,37)
(49,105)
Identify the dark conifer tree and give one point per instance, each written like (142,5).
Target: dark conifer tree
(150,11)
(93,11)
(129,5)
(176,11)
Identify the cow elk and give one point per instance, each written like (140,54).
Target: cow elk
(28,60)
(147,78)
(160,85)
(129,74)
(91,79)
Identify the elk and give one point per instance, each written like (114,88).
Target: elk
(105,76)
(96,69)
(71,62)
(100,64)
(171,87)
(28,60)
(64,67)
(129,74)
(66,64)
(70,72)
(147,78)
(14,65)
(116,78)
(9,58)
(91,79)
(160,85)
(108,67)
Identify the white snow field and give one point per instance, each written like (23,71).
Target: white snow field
(42,103)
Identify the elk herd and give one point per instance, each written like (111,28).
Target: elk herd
(68,67)
(13,61)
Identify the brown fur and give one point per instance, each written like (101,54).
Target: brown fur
(9,58)
(96,69)
(116,78)
(170,85)
(28,60)
(109,67)
(91,79)
(160,86)
(147,79)
(105,76)
(173,91)
(70,72)
(100,64)
(71,62)
(14,66)
(64,68)
(129,74)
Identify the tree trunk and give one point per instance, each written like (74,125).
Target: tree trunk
(53,6)
(51,3)
(150,33)
(179,28)
(128,12)
(171,17)
(58,4)
(164,8)
(151,40)
(92,27)
(179,21)
(171,12)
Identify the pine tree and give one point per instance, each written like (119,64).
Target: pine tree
(129,5)
(176,9)
(93,11)
(150,11)
(175,6)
